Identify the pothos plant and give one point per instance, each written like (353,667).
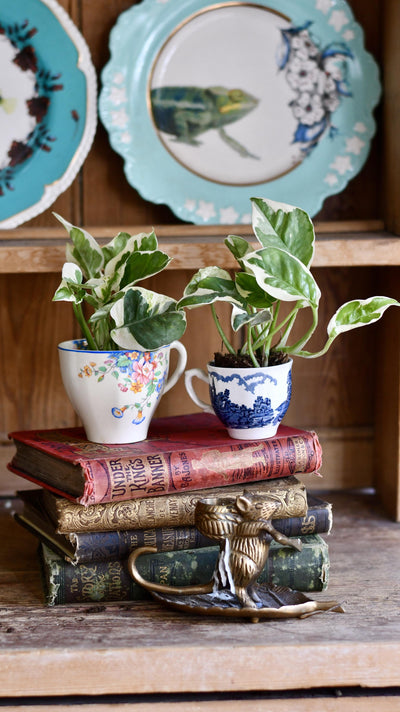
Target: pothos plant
(275,271)
(122,314)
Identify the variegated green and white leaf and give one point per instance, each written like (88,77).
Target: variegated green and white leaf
(251,292)
(284,226)
(282,275)
(101,289)
(131,265)
(71,272)
(70,289)
(143,242)
(240,318)
(208,285)
(358,312)
(84,251)
(146,320)
(101,313)
(141,265)
(238,246)
(64,293)
(115,246)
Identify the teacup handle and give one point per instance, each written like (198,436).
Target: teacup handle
(189,387)
(180,366)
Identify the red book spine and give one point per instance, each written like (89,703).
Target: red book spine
(156,473)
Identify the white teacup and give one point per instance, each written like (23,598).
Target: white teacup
(115,393)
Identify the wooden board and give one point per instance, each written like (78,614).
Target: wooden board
(132,648)
(40,254)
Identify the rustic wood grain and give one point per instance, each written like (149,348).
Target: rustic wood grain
(44,250)
(31,394)
(387,404)
(143,648)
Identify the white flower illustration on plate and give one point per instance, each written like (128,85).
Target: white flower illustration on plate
(303,74)
(308,108)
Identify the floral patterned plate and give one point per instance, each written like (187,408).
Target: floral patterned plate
(210,104)
(48,107)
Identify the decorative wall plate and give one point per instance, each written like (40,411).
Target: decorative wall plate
(48,107)
(210,104)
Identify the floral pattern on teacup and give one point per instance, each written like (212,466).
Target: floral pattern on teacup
(135,371)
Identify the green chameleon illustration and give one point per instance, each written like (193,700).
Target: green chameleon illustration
(187,112)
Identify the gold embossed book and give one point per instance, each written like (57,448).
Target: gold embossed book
(182,453)
(111,531)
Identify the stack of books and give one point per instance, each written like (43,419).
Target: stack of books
(95,503)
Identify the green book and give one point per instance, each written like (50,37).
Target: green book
(307,570)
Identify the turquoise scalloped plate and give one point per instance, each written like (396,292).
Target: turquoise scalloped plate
(211,104)
(48,106)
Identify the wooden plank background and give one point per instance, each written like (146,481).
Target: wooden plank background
(335,394)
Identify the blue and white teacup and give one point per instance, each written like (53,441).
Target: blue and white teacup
(250,402)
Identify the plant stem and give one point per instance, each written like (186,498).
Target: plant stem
(250,348)
(288,328)
(84,326)
(309,354)
(220,331)
(289,321)
(295,348)
(270,329)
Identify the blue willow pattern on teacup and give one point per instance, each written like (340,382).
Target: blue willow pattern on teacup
(135,372)
(238,415)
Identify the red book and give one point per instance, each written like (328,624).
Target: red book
(186,452)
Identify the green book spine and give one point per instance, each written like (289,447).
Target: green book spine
(63,582)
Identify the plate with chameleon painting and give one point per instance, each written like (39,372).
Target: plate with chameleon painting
(210,104)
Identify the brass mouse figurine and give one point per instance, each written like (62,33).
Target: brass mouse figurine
(244,531)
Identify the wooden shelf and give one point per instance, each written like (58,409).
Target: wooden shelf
(143,648)
(191,247)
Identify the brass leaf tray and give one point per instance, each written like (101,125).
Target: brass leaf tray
(276,602)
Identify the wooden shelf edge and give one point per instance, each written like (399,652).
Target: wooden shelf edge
(45,252)
(186,669)
(181,230)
